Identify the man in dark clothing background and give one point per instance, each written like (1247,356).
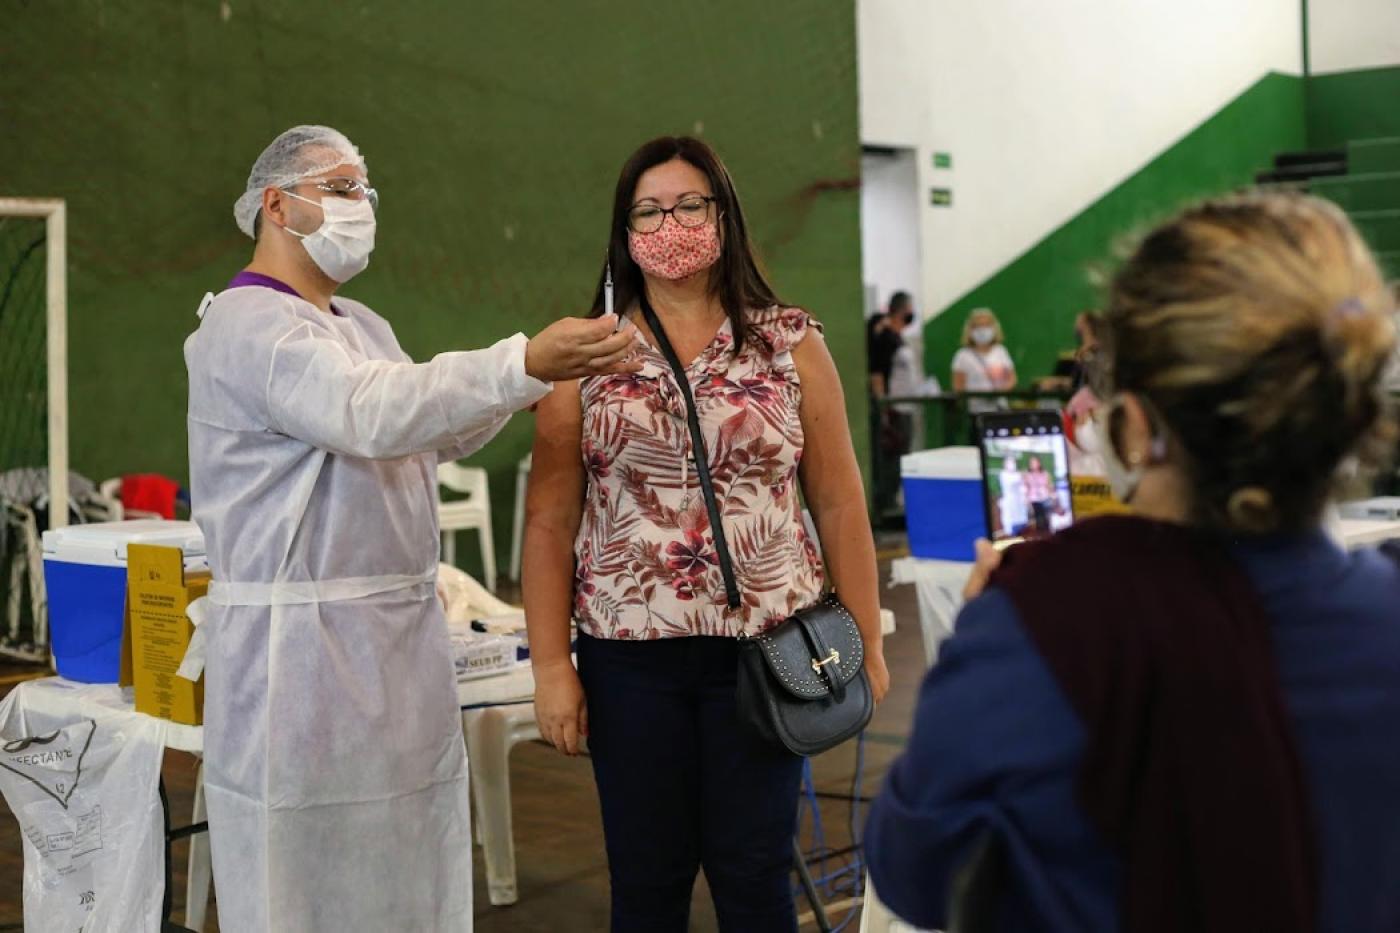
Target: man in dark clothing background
(890,429)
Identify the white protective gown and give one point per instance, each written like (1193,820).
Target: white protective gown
(335,772)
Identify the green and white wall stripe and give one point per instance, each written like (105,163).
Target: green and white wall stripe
(1038,294)
(1073,123)
(1354,82)
(1048,108)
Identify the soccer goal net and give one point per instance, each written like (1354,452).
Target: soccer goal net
(33,413)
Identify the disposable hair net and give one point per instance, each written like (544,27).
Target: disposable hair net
(301,152)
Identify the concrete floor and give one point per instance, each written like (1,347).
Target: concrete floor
(562,873)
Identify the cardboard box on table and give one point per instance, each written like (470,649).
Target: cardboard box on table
(157,633)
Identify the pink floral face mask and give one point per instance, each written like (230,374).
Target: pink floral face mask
(675,252)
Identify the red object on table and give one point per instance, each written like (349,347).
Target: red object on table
(150,492)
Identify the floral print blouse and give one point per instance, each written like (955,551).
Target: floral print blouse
(646,565)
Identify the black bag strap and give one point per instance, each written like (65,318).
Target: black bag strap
(701,453)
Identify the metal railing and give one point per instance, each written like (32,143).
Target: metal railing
(945,420)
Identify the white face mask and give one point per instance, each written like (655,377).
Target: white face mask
(984,335)
(340,247)
(1122,478)
(1086,436)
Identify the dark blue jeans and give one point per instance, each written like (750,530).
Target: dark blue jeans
(685,786)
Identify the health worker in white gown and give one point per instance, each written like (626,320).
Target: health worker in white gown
(335,771)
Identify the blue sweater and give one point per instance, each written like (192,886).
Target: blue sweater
(996,745)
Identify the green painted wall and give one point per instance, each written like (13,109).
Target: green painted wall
(494,131)
(1352,105)
(1038,295)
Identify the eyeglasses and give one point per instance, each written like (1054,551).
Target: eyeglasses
(693,211)
(350,188)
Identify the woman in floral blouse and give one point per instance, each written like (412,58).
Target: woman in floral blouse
(618,538)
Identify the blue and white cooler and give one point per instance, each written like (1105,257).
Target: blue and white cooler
(85,575)
(943,502)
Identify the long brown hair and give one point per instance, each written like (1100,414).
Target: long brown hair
(1258,327)
(736,279)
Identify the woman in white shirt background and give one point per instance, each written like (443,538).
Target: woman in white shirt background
(983,364)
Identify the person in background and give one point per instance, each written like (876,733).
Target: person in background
(1080,429)
(882,491)
(1069,374)
(983,364)
(876,326)
(1392,370)
(618,538)
(891,367)
(886,338)
(1087,327)
(905,379)
(1204,739)
(334,766)
(1389,485)
(905,382)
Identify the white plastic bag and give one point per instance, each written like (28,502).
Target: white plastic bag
(465,600)
(85,792)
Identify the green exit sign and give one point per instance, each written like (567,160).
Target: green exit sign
(942,160)
(940,197)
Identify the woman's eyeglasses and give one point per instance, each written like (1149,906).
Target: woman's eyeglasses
(693,211)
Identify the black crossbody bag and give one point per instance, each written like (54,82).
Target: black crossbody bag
(802,684)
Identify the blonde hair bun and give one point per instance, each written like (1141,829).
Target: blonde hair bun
(1259,326)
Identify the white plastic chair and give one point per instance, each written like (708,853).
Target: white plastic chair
(517,528)
(491,733)
(472,512)
(109,498)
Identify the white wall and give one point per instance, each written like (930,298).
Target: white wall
(1346,35)
(889,226)
(1046,105)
